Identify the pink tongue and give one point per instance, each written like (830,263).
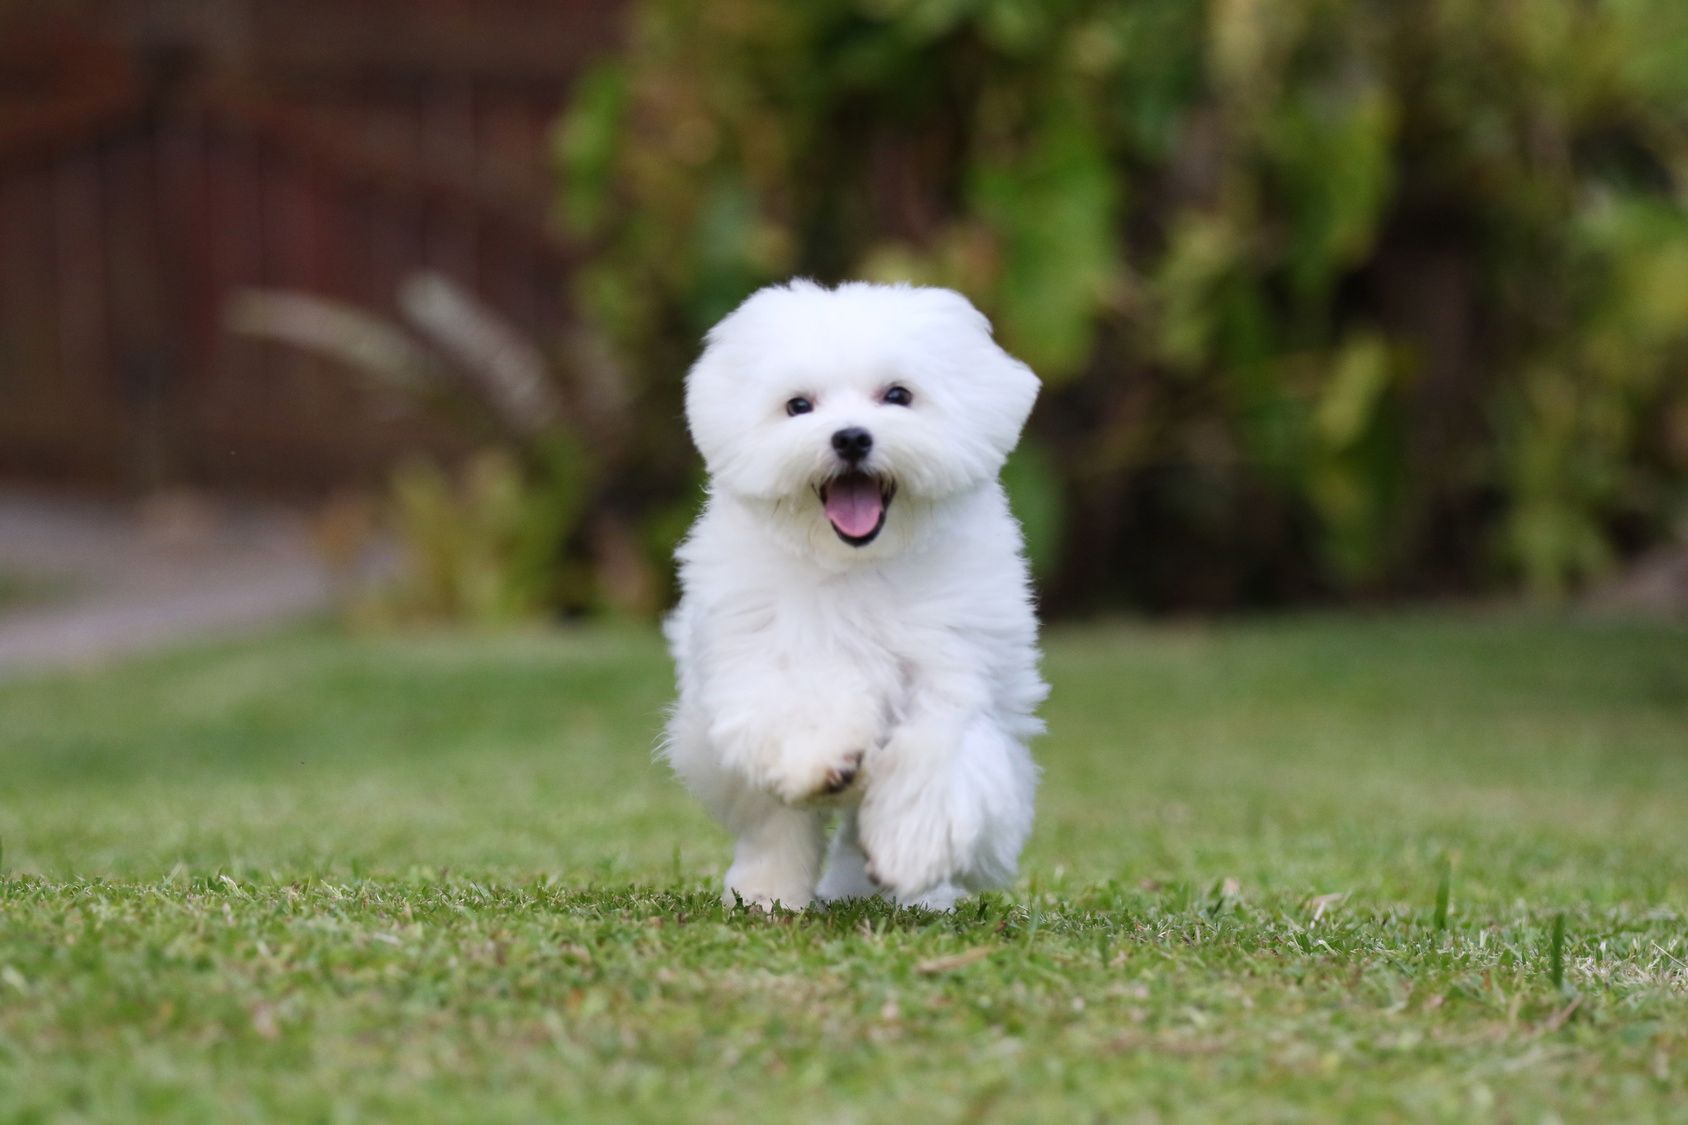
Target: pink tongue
(853,504)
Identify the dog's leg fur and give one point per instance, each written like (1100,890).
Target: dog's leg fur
(777,858)
(766,760)
(949,802)
(845,875)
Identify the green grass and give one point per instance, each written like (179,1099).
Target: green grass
(1412,868)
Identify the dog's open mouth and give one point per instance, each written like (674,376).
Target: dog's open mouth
(856,504)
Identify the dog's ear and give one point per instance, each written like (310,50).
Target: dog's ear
(1003,387)
(716,415)
(1013,385)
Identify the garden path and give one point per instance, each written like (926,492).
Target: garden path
(82,581)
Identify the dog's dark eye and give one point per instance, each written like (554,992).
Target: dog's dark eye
(798,405)
(898,396)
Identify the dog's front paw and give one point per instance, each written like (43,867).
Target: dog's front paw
(908,877)
(767,881)
(842,774)
(829,778)
(805,760)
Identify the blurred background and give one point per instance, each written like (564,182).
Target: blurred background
(386,305)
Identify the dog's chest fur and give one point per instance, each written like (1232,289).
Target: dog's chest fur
(871,633)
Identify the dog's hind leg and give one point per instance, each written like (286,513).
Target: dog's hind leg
(845,875)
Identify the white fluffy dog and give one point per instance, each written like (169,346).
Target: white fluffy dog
(856,630)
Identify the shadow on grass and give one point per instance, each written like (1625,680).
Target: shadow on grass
(843,917)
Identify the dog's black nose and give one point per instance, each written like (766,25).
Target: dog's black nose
(853,443)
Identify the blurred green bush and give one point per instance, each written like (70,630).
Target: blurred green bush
(1330,298)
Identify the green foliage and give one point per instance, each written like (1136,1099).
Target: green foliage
(1327,296)
(484,547)
(1053,208)
(1034,488)
(537,524)
(438,877)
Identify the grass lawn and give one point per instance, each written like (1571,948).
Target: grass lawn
(1282,869)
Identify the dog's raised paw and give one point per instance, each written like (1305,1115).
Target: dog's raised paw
(826,779)
(843,775)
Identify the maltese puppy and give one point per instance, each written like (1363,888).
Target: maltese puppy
(856,635)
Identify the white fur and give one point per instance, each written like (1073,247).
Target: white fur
(799,654)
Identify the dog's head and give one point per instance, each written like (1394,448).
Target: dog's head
(851,414)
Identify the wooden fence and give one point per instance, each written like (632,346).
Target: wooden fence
(154,168)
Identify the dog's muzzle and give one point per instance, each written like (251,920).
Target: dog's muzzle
(856,503)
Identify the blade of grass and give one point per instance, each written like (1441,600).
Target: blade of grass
(1444,887)
(1557,963)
